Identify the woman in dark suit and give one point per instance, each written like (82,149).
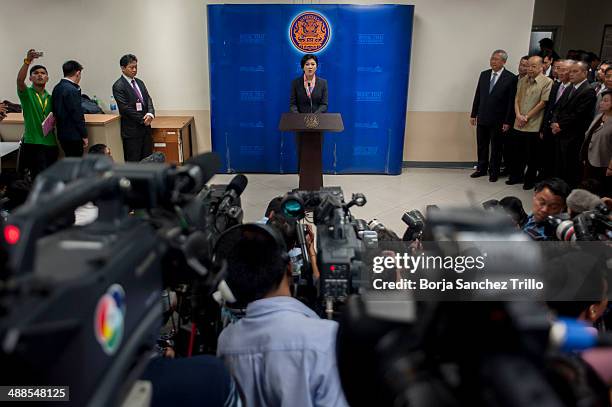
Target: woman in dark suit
(308,92)
(596,150)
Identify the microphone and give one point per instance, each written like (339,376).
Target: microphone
(310,96)
(233,190)
(580,200)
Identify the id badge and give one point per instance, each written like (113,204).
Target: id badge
(138,107)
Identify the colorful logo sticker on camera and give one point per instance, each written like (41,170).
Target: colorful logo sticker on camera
(310,32)
(109,319)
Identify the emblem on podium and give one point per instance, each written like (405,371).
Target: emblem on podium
(311,121)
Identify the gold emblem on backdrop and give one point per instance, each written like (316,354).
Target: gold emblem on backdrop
(310,32)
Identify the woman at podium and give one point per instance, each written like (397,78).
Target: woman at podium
(308,92)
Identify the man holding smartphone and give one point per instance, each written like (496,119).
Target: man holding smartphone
(38,148)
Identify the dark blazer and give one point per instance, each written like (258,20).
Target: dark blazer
(550,106)
(299,101)
(574,114)
(497,107)
(69,118)
(132,121)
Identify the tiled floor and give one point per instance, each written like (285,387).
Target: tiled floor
(388,196)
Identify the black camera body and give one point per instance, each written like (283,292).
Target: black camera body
(87,298)
(340,248)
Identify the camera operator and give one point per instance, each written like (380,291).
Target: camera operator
(548,199)
(281,352)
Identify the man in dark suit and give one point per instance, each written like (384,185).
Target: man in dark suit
(70,121)
(571,118)
(547,146)
(136,109)
(493,113)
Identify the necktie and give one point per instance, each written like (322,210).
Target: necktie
(138,94)
(560,92)
(493,80)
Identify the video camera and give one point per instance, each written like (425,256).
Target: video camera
(587,226)
(341,241)
(442,352)
(87,298)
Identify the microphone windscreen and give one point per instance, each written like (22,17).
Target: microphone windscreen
(581,200)
(208,163)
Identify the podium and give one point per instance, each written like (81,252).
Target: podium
(309,128)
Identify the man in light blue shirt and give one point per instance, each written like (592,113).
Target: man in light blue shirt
(281,353)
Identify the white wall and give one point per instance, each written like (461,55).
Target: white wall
(452,40)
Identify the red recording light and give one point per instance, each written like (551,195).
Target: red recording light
(332,268)
(11,234)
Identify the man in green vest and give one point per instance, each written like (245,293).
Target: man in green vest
(39,147)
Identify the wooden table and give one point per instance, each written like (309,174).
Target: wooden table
(101,129)
(172,136)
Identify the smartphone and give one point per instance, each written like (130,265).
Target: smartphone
(40,54)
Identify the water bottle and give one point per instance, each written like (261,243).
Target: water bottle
(113,105)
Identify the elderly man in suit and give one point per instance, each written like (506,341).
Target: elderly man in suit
(570,120)
(493,113)
(136,109)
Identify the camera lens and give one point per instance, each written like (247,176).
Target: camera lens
(292,208)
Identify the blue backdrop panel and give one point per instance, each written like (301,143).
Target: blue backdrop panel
(253,61)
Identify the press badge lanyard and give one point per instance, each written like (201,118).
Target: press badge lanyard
(44,106)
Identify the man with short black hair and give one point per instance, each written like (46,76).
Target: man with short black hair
(522,68)
(281,353)
(547,45)
(38,151)
(68,112)
(606,85)
(492,114)
(571,119)
(600,76)
(547,64)
(136,109)
(548,200)
(99,149)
